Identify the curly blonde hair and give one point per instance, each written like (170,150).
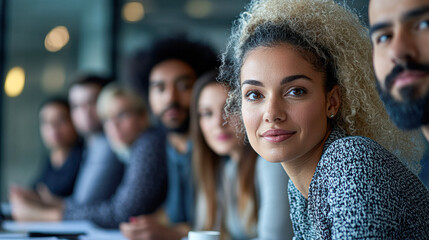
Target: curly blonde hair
(329,36)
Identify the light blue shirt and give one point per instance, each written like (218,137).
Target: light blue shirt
(180,194)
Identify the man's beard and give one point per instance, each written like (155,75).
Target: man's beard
(182,128)
(412,112)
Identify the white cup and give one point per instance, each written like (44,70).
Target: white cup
(203,235)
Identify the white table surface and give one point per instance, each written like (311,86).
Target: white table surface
(92,231)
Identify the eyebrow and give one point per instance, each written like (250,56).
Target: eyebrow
(415,13)
(293,78)
(405,17)
(378,26)
(184,77)
(284,80)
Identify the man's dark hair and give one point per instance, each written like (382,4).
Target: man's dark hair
(198,55)
(55,100)
(91,79)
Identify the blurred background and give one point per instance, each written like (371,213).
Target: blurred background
(45,43)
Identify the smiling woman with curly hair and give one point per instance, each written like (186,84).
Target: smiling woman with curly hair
(301,79)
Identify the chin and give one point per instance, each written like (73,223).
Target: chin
(272,157)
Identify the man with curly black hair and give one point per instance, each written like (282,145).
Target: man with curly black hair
(167,74)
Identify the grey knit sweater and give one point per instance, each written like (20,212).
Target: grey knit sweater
(360,191)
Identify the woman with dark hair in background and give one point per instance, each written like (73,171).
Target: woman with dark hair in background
(238,193)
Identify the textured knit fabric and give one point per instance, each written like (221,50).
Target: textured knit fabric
(360,191)
(142,190)
(424,174)
(60,181)
(273,214)
(100,173)
(180,196)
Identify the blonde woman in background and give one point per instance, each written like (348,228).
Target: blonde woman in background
(238,192)
(301,80)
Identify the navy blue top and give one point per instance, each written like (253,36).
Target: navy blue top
(180,195)
(61,181)
(360,191)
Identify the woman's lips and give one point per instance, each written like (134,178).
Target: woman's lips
(223,137)
(277,135)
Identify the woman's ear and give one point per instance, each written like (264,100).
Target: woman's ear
(333,101)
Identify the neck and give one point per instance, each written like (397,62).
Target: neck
(235,155)
(425,130)
(179,141)
(59,156)
(301,169)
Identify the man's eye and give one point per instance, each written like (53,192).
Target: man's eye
(159,88)
(183,86)
(253,95)
(383,38)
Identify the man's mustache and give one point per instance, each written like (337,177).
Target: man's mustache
(174,105)
(400,68)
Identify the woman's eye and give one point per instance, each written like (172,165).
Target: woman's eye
(296,92)
(423,24)
(206,114)
(253,95)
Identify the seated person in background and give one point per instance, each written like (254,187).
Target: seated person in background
(238,193)
(65,148)
(144,185)
(101,172)
(169,72)
(399,34)
(301,80)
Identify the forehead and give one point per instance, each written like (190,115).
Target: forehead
(78,92)
(53,109)
(170,70)
(212,94)
(119,103)
(284,58)
(392,10)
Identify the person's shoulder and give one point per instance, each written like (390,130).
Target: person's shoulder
(357,156)
(356,147)
(151,136)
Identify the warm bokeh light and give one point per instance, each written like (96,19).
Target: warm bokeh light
(53,78)
(133,11)
(198,8)
(15,81)
(57,38)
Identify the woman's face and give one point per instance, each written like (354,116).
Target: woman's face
(219,136)
(123,124)
(284,105)
(56,127)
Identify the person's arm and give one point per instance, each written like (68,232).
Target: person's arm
(141,192)
(100,173)
(273,219)
(148,227)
